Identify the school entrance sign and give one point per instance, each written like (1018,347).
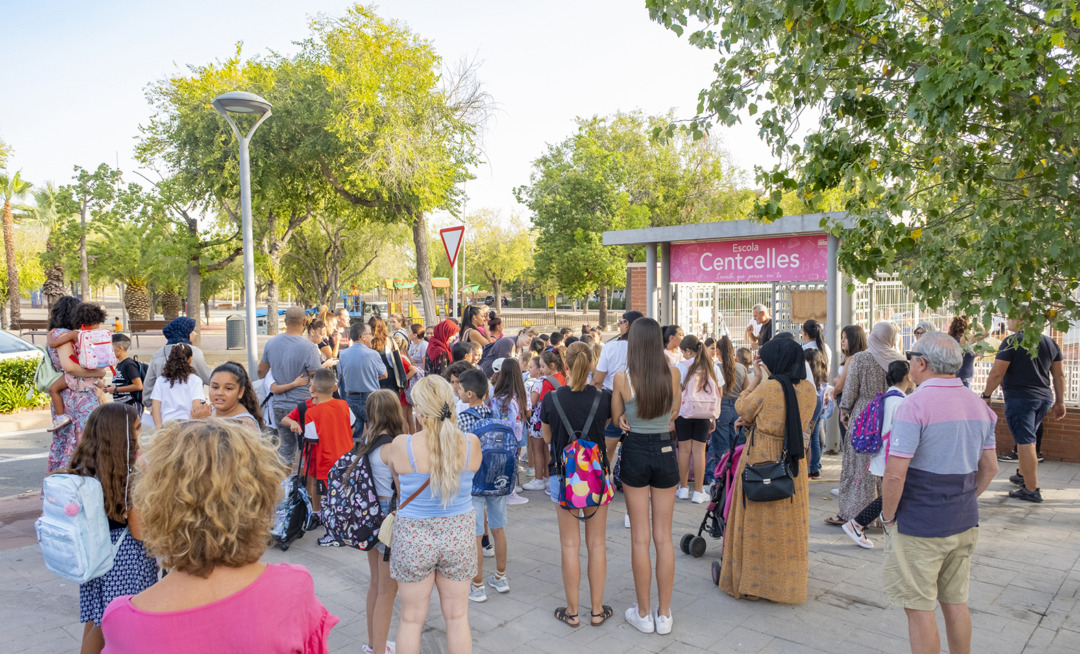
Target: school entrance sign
(803,257)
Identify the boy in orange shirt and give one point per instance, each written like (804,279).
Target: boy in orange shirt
(328,422)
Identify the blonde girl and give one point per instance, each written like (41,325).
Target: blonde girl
(433,533)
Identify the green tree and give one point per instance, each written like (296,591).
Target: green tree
(949,128)
(499,251)
(13,188)
(5,153)
(94,193)
(52,212)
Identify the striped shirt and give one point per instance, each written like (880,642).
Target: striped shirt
(943,428)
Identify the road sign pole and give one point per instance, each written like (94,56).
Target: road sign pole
(454,275)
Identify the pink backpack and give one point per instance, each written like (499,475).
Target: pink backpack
(700,402)
(95,349)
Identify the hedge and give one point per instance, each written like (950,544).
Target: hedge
(17,386)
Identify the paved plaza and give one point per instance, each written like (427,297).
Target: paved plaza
(1024,590)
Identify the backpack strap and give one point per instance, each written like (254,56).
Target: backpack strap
(554,381)
(584,431)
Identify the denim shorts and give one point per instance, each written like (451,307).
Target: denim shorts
(553,488)
(649,460)
(495,506)
(1024,415)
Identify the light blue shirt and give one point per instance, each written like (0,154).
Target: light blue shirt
(360,367)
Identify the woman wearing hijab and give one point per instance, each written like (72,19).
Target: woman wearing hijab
(438,349)
(177,331)
(766,543)
(865,373)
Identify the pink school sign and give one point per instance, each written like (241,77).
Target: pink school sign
(776,259)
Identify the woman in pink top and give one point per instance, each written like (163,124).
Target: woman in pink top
(206,496)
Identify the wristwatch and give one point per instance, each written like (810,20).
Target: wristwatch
(985,396)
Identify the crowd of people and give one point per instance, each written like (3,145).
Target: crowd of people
(661,407)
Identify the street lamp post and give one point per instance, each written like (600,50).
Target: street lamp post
(241,102)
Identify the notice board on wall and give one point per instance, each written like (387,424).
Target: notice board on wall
(809,305)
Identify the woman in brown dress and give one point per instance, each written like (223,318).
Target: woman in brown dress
(865,373)
(766,543)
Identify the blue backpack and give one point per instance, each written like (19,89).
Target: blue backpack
(73,530)
(866,437)
(498,446)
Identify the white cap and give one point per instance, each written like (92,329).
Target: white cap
(496,365)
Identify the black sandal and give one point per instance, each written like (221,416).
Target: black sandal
(562,616)
(835,520)
(605,613)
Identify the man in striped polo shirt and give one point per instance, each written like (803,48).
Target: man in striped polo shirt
(942,456)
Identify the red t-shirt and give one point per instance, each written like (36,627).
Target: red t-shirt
(547,386)
(332,422)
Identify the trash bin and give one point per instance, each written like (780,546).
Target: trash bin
(235,334)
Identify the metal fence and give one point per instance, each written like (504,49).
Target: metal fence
(550,320)
(724,308)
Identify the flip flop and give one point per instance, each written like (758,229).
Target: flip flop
(835,520)
(604,614)
(562,616)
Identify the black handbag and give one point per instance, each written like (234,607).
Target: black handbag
(768,481)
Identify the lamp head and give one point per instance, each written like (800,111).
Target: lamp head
(241,102)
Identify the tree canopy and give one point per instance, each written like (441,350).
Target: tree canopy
(950,127)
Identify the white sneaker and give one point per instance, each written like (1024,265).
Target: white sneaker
(663,623)
(683,493)
(836,492)
(700,497)
(626,520)
(489,551)
(535,485)
(477,593)
(514,498)
(644,624)
(707,488)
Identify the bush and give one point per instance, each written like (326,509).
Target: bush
(17,386)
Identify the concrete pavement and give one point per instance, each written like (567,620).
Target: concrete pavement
(1024,592)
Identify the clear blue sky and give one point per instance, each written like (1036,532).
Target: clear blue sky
(78,70)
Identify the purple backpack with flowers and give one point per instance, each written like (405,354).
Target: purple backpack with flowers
(866,434)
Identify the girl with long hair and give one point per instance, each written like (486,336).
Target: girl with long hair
(852,341)
(316,333)
(815,359)
(734,374)
(178,394)
(434,531)
(813,336)
(418,344)
(232,395)
(383,426)
(472,325)
(510,399)
(576,400)
(697,373)
(673,335)
(645,403)
(107,451)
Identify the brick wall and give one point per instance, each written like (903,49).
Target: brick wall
(1061,438)
(635,280)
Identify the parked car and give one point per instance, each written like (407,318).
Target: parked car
(13,347)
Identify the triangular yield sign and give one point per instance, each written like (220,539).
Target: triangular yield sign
(451,240)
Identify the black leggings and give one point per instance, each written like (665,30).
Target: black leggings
(869,514)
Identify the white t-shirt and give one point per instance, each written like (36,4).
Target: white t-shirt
(684,367)
(612,361)
(176,398)
(877,462)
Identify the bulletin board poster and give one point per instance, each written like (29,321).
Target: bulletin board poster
(796,258)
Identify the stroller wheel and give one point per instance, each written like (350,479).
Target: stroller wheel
(684,544)
(716,573)
(697,547)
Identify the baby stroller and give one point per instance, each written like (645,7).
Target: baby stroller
(719,503)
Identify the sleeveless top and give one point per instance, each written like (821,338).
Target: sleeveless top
(250,422)
(427,505)
(658,425)
(381,475)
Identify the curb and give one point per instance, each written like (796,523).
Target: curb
(38,420)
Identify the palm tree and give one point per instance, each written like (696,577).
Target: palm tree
(13,188)
(48,213)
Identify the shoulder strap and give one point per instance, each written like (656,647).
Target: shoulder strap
(413,496)
(554,381)
(566,421)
